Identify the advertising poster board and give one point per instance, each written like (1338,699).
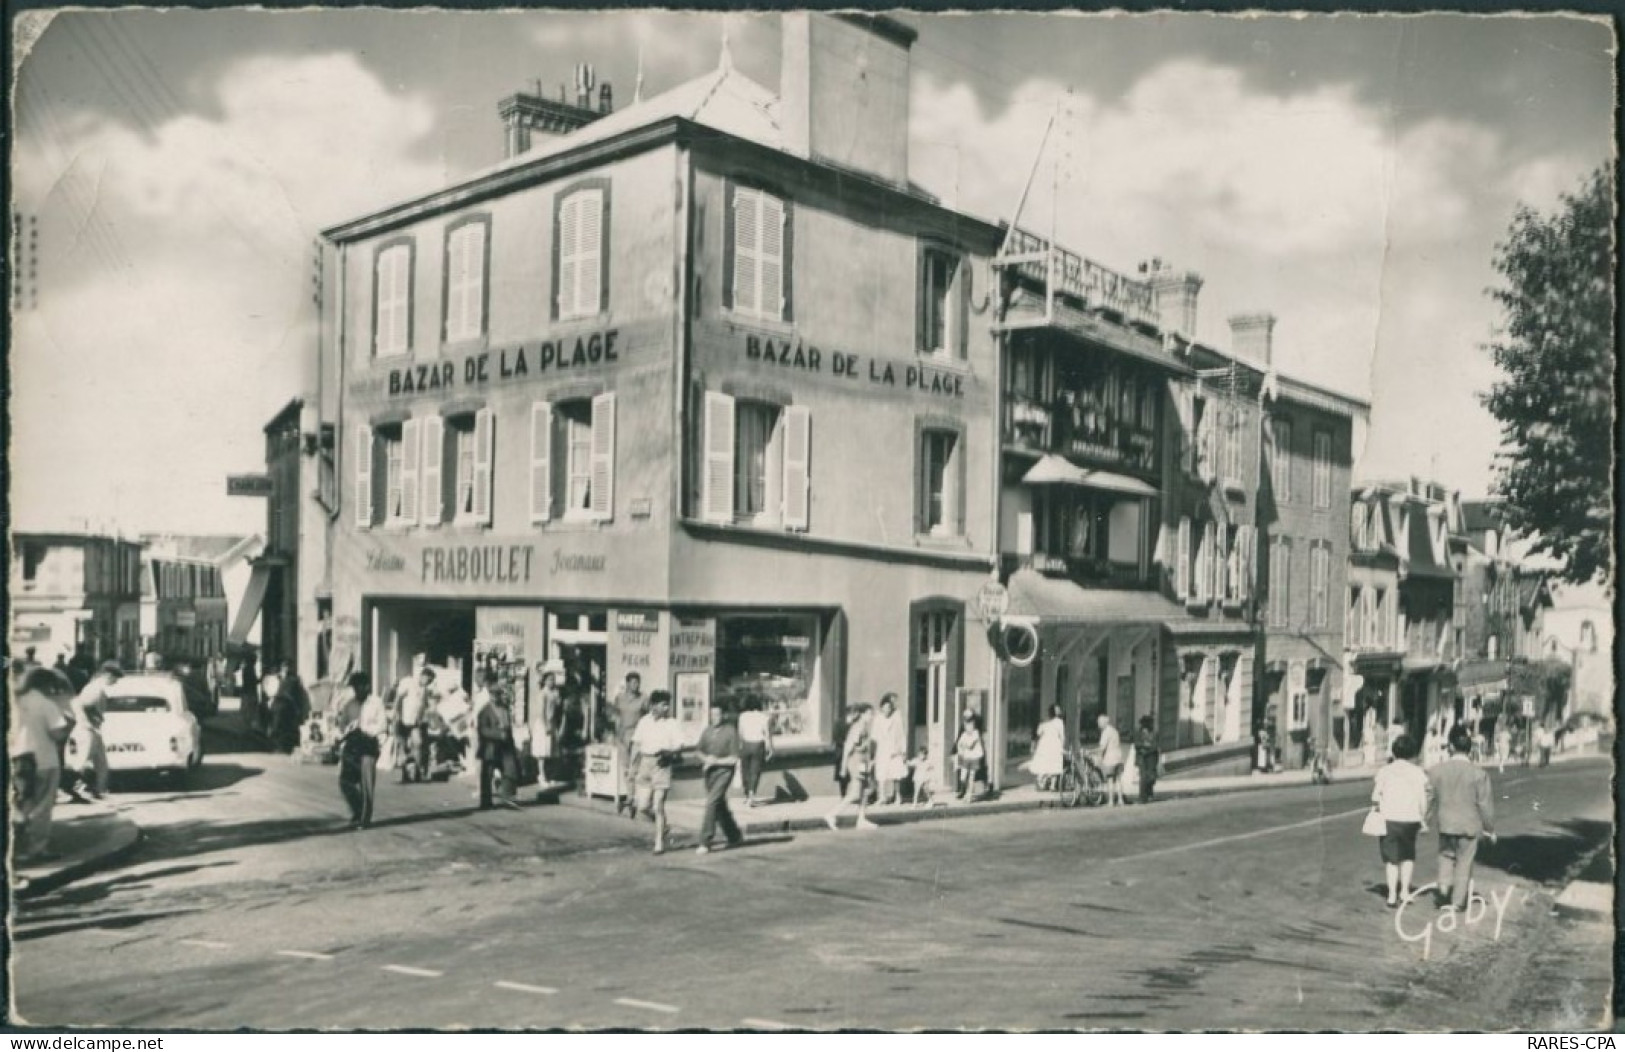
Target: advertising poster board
(638,642)
(693,704)
(603,763)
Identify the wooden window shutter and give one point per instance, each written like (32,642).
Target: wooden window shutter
(566,239)
(410,453)
(746,249)
(717,481)
(589,252)
(787,263)
(797,467)
(961,301)
(363,476)
(484,448)
(602,482)
(1182,559)
(1203,575)
(541,462)
(431,491)
(922,297)
(728,227)
(771,301)
(961,470)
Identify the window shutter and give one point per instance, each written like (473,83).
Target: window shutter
(717,496)
(787,263)
(771,302)
(484,447)
(409,471)
(797,465)
(729,227)
(1182,560)
(363,476)
(1204,444)
(589,252)
(747,236)
(431,490)
(568,247)
(541,461)
(961,472)
(922,298)
(603,457)
(961,333)
(1203,575)
(1220,560)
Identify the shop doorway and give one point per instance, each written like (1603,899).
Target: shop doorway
(581,641)
(935,677)
(443,633)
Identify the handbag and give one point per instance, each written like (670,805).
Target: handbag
(1374,824)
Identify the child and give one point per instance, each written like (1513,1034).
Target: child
(923,770)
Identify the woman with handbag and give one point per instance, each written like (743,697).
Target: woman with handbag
(1400,800)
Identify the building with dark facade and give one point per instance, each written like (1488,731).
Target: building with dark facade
(1500,616)
(642,398)
(1374,650)
(75,593)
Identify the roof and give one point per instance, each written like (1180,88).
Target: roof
(1420,553)
(217,548)
(1479,515)
(1059,601)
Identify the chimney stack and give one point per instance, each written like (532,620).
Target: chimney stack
(527,117)
(606,98)
(1252,336)
(844,90)
(1175,293)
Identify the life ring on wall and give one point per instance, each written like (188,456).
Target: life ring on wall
(1018,640)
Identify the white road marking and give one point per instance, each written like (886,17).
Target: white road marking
(206,944)
(305,955)
(422,973)
(1240,836)
(653,1006)
(765,1024)
(524,988)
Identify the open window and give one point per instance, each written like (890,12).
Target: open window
(757,463)
(941,302)
(572,459)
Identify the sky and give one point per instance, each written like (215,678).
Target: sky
(1350,174)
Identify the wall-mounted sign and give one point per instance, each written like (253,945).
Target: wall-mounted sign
(909,376)
(31,633)
(249,486)
(507,363)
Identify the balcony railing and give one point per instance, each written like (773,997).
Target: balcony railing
(1069,429)
(1095,286)
(1097,573)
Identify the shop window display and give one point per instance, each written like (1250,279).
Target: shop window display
(771,659)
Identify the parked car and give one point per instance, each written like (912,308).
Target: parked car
(148,726)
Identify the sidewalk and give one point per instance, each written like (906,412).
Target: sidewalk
(798,815)
(84,838)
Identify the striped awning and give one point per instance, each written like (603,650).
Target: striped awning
(249,610)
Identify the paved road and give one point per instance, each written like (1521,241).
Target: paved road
(1258,910)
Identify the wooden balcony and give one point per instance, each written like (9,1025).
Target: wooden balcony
(1092,573)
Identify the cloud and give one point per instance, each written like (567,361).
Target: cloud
(174,283)
(1370,240)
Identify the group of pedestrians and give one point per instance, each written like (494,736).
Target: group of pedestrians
(1110,755)
(1455,797)
(48,718)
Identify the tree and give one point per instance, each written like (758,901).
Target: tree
(1555,400)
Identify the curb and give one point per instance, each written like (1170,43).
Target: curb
(751,825)
(56,879)
(1586,897)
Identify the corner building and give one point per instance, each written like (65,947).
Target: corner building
(700,389)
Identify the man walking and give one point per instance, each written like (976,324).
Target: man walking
(361,721)
(630,707)
(89,711)
(411,712)
(1465,809)
(498,756)
(37,729)
(719,757)
(657,743)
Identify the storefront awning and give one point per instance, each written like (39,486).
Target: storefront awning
(1054,470)
(1119,484)
(1413,663)
(1056,601)
(253,598)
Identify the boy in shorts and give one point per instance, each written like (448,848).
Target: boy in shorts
(656,746)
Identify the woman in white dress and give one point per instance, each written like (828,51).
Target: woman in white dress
(891,749)
(1049,753)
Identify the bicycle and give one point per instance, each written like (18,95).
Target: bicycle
(1081,782)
